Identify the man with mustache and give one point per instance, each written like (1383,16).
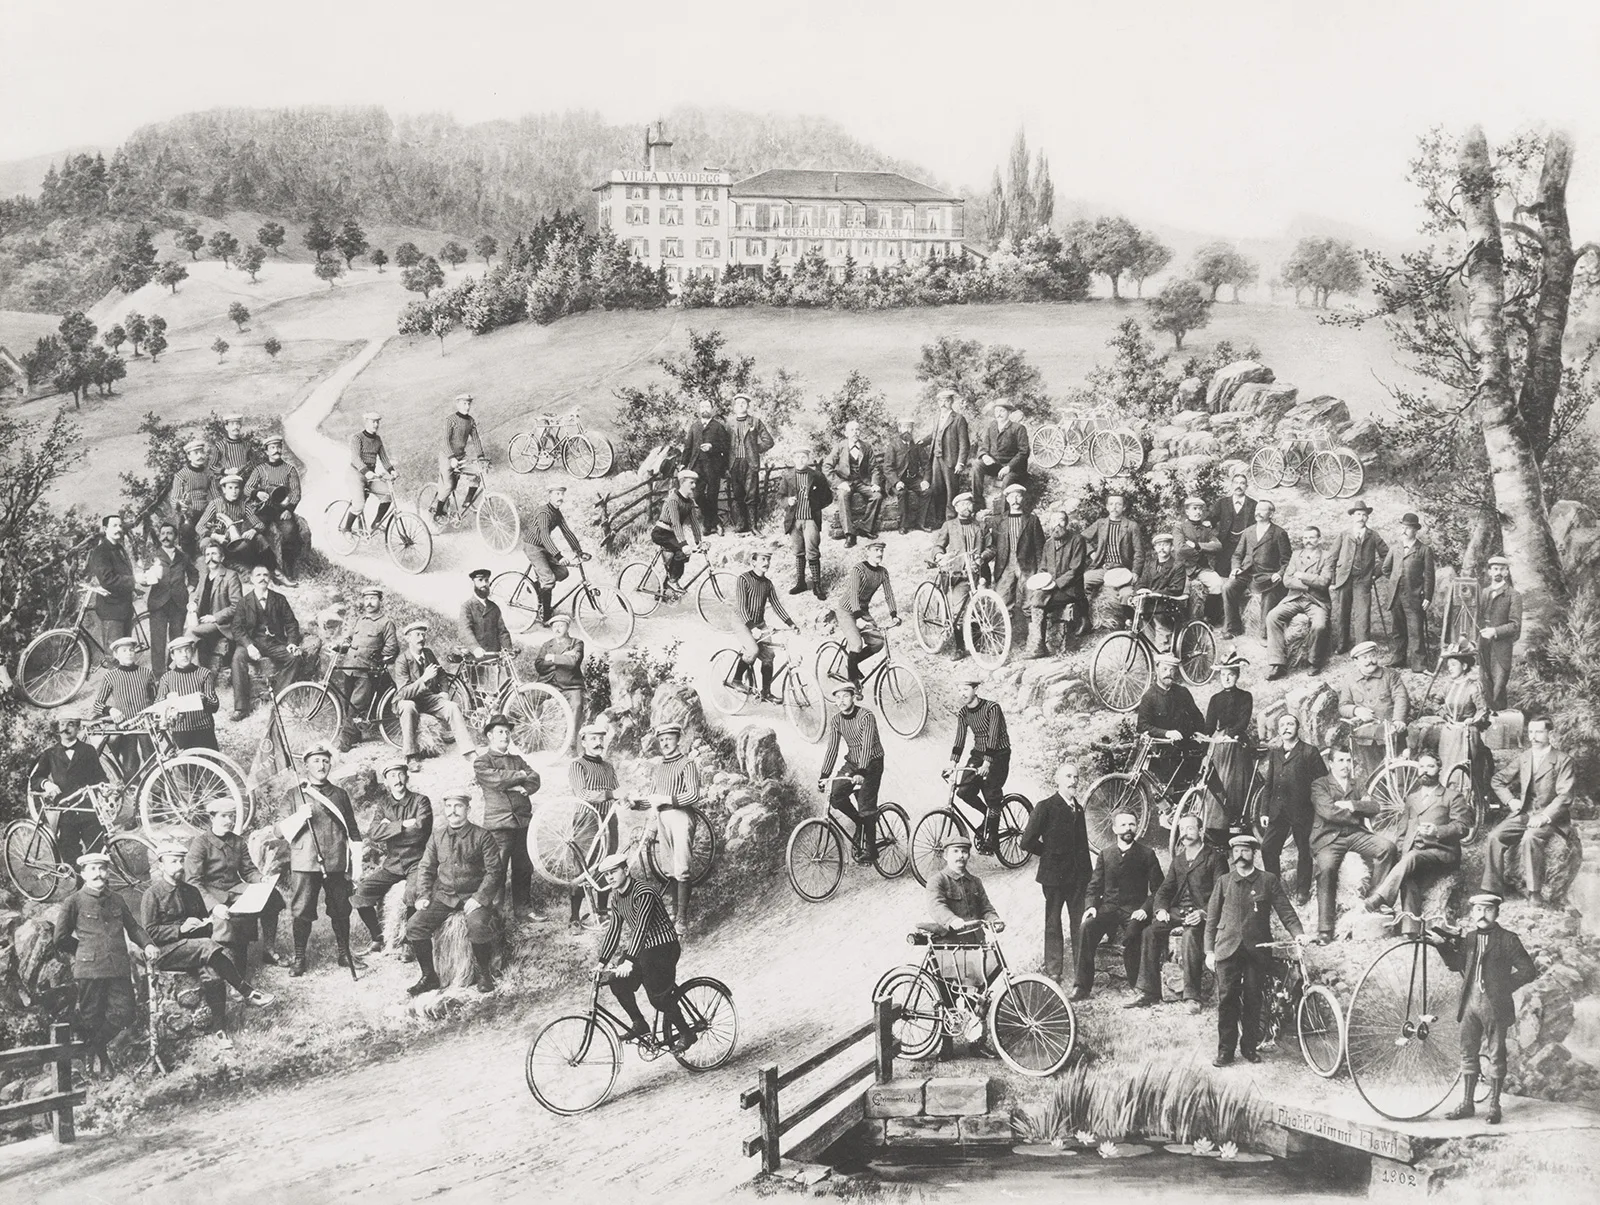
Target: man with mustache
(1238,923)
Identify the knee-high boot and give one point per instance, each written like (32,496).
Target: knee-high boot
(302,936)
(1495,1084)
(1037,631)
(680,916)
(799,586)
(430,978)
(815,565)
(482,956)
(1469,1088)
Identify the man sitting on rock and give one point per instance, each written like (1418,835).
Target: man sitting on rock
(1430,841)
(1338,831)
(1115,543)
(1540,806)
(218,863)
(1180,903)
(1120,894)
(398,832)
(1307,577)
(417,678)
(1375,700)
(460,872)
(1063,557)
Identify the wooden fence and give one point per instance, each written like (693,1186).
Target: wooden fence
(60,1103)
(765,1095)
(617,513)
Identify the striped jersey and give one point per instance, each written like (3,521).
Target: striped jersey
(1111,542)
(128,688)
(267,477)
(460,430)
(219,513)
(677,776)
(366,449)
(753,594)
(194,680)
(862,582)
(192,488)
(859,731)
(987,723)
(641,912)
(592,779)
(547,520)
(678,512)
(230,456)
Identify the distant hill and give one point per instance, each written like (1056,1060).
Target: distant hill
(23,176)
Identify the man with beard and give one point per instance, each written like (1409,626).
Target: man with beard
(1500,613)
(950,450)
(750,441)
(706,446)
(192,727)
(265,629)
(111,569)
(1062,556)
(1058,835)
(211,610)
(854,468)
(485,625)
(193,486)
(170,575)
(807,496)
(1431,829)
(1408,576)
(398,832)
(1238,923)
(548,562)
(1168,712)
(907,476)
(1180,903)
(274,490)
(1338,831)
(461,871)
(1120,892)
(367,651)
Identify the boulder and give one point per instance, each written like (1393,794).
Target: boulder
(1191,420)
(1268,403)
(1198,443)
(1544,1010)
(1191,393)
(1364,438)
(1169,434)
(751,828)
(679,703)
(1230,378)
(1226,420)
(1065,696)
(1577,534)
(759,753)
(1187,468)
(1323,412)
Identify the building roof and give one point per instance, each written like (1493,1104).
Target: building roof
(795,183)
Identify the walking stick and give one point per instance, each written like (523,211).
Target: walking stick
(316,848)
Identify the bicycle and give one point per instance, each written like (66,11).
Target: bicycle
(1027,1018)
(573,1062)
(943,823)
(561,437)
(646,585)
(55,664)
(405,534)
(815,854)
(32,853)
(1136,790)
(1395,778)
(985,620)
(1116,451)
(602,613)
(541,718)
(1201,800)
(493,513)
(1295,999)
(1402,1039)
(1124,661)
(1334,472)
(802,701)
(897,689)
(314,709)
(172,787)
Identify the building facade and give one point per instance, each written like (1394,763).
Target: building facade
(699,222)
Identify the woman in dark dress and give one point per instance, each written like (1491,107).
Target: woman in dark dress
(1230,714)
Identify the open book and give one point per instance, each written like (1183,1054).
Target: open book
(254,897)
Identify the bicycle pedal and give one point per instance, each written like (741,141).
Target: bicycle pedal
(650,1053)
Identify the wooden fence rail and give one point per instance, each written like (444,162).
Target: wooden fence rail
(617,512)
(775,1123)
(60,1103)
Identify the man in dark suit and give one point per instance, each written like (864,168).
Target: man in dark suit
(1058,835)
(706,447)
(168,600)
(907,475)
(1493,964)
(1500,613)
(111,569)
(1003,454)
(211,609)
(853,468)
(1431,829)
(1238,922)
(264,629)
(1357,557)
(1337,831)
(1230,518)
(1259,560)
(806,495)
(1408,573)
(1540,805)
(1180,902)
(1289,769)
(1120,890)
(951,449)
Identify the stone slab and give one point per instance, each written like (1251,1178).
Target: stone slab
(921,1131)
(950,1097)
(989,1128)
(897,1098)
(1393,1181)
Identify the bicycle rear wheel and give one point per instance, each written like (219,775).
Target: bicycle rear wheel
(707,1005)
(987,628)
(541,719)
(930,617)
(519,600)
(1014,812)
(1110,794)
(901,699)
(829,663)
(1197,652)
(1266,468)
(1120,671)
(572,1065)
(891,841)
(1355,473)
(814,859)
(1049,445)
(1327,475)
(1132,449)
(604,456)
(178,793)
(927,842)
(714,600)
(644,583)
(1196,801)
(53,668)
(342,536)
(409,541)
(498,524)
(803,704)
(522,454)
(32,861)
(577,456)
(311,714)
(563,840)
(1073,443)
(130,856)
(427,499)
(1402,1038)
(1389,785)
(726,695)
(703,848)
(388,713)
(603,615)
(919,1000)
(1105,453)
(1032,1025)
(1320,1022)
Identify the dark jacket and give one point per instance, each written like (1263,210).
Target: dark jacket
(1259,554)
(507,781)
(1408,575)
(866,471)
(1058,835)
(486,624)
(1190,879)
(1172,709)
(1229,711)
(907,462)
(1547,790)
(1016,544)
(167,905)
(1450,814)
(1065,559)
(1230,527)
(92,928)
(1009,448)
(400,847)
(714,460)
(458,863)
(322,845)
(1501,969)
(748,441)
(1124,879)
(1288,776)
(219,866)
(1131,539)
(1333,822)
(273,620)
(806,495)
(407,673)
(223,605)
(1239,914)
(953,445)
(1356,562)
(171,593)
(70,769)
(1503,613)
(111,569)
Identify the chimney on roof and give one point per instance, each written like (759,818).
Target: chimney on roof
(653,139)
(835,181)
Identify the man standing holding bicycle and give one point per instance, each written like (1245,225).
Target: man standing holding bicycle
(989,764)
(649,956)
(960,538)
(460,435)
(545,557)
(63,769)
(862,770)
(593,779)
(368,651)
(753,594)
(675,787)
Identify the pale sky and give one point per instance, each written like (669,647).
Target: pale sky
(1224,116)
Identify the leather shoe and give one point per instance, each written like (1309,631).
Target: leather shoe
(1142,1001)
(1078,994)
(1250,1056)
(1276,672)
(428,983)
(1222,1060)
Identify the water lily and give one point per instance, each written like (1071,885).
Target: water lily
(1086,1137)
(1107,1149)
(1204,1146)
(1230,1150)
(1059,1143)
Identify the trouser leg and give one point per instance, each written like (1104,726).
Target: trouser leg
(1533,846)
(1153,944)
(1505,836)
(1230,999)
(1055,899)
(841,499)
(1301,824)
(624,989)
(1250,1030)
(1328,859)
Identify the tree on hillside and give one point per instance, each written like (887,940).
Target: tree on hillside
(329,270)
(138,329)
(1020,198)
(116,335)
(855,400)
(238,315)
(1221,263)
(133,261)
(1044,192)
(377,257)
(158,324)
(1150,256)
(251,259)
(77,331)
(979,375)
(1110,246)
(173,274)
(407,255)
(40,364)
(271,235)
(441,325)
(191,240)
(220,346)
(352,241)
(155,344)
(223,244)
(995,226)
(486,247)
(424,277)
(318,238)
(453,253)
(272,347)
(1325,266)
(105,370)
(1180,307)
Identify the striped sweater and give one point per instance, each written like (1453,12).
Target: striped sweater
(677,776)
(592,779)
(987,723)
(128,688)
(861,583)
(641,912)
(859,731)
(753,594)
(193,680)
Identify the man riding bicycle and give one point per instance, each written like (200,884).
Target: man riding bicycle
(866,577)
(374,472)
(959,907)
(677,528)
(990,757)
(460,433)
(545,557)
(862,770)
(650,953)
(753,594)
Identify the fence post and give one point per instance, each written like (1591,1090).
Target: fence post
(61,1119)
(883,1039)
(770,1138)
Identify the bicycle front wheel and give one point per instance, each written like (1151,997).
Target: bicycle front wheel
(1120,671)
(803,704)
(577,456)
(927,842)
(572,1065)
(1073,443)
(522,454)
(891,841)
(342,534)
(54,667)
(541,719)
(519,600)
(707,1005)
(1321,1024)
(604,456)
(902,700)
(1197,652)
(563,840)
(814,859)
(409,541)
(644,583)
(180,791)
(1355,473)
(714,600)
(1388,787)
(1402,1037)
(829,663)
(919,999)
(1110,794)
(1032,1026)
(703,849)
(1105,453)
(32,861)
(1014,812)
(389,718)
(1327,475)
(987,627)
(604,616)
(498,523)
(311,714)
(1266,468)
(930,617)
(1049,445)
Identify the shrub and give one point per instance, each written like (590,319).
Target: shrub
(1560,677)
(855,400)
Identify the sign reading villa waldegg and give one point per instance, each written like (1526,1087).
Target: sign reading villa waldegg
(639,176)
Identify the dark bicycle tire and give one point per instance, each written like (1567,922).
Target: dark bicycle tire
(131,855)
(310,713)
(892,841)
(521,453)
(703,850)
(919,999)
(1032,1025)
(928,838)
(1113,793)
(814,859)
(1458,780)
(1197,653)
(53,668)
(707,1004)
(803,704)
(519,602)
(1402,1039)
(902,700)
(1319,1022)
(643,583)
(576,1042)
(1121,669)
(1015,808)
(32,862)
(930,617)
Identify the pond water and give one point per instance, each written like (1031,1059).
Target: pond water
(941,1176)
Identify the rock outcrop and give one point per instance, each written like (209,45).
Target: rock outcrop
(1231,378)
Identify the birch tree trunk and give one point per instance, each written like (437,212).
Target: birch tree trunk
(1513,471)
(1541,383)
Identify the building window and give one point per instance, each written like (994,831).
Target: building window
(756,247)
(858,217)
(744,216)
(707,248)
(671,192)
(671,215)
(839,247)
(639,247)
(705,217)
(814,246)
(672,248)
(786,247)
(638,215)
(908,219)
(802,215)
(933,220)
(883,219)
(605,218)
(638,192)
(674,274)
(775,216)
(705,194)
(835,216)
